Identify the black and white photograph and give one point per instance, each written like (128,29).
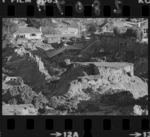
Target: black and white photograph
(75,66)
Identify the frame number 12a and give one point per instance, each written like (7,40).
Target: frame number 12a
(65,134)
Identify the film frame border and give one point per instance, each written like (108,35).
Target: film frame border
(127,9)
(105,123)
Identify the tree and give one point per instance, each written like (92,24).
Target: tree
(43,22)
(48,30)
(139,34)
(8,28)
(4,44)
(34,22)
(133,32)
(92,28)
(130,32)
(13,28)
(116,31)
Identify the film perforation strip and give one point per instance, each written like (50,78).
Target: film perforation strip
(68,11)
(49,124)
(88,11)
(126,124)
(30,10)
(11,10)
(107,124)
(107,11)
(30,124)
(11,124)
(68,124)
(145,124)
(87,124)
(126,11)
(145,11)
(87,127)
(49,11)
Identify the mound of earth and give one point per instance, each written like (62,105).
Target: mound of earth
(104,82)
(68,82)
(24,109)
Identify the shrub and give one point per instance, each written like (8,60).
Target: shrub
(116,31)
(23,94)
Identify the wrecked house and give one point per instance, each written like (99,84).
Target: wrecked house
(105,75)
(28,33)
(53,38)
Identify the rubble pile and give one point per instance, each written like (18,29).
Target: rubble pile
(97,81)
(76,81)
(15,91)
(141,67)
(25,109)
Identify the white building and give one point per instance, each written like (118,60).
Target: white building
(144,29)
(53,38)
(143,25)
(28,33)
(72,31)
(68,31)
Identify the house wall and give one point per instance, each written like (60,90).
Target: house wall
(38,36)
(145,40)
(123,30)
(53,40)
(145,32)
(132,24)
(28,35)
(72,31)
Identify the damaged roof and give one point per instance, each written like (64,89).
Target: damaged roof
(27,30)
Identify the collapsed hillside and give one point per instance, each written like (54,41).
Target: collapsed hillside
(97,82)
(73,82)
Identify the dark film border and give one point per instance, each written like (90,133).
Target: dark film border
(85,125)
(129,9)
